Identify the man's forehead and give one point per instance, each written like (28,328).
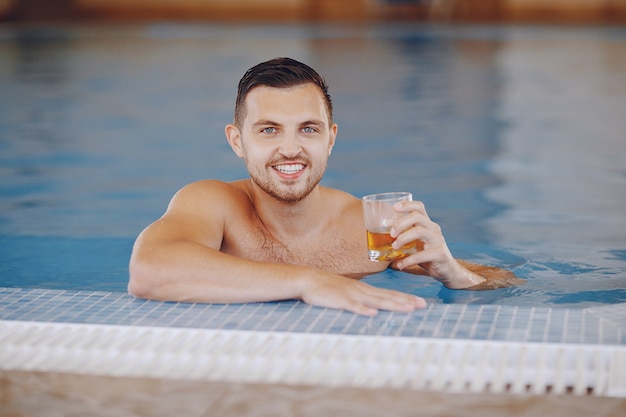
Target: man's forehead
(262,99)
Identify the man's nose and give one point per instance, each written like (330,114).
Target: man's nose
(290,145)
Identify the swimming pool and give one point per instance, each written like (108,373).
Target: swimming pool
(513,137)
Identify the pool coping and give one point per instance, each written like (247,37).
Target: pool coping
(444,347)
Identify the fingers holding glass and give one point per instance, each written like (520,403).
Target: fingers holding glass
(380,216)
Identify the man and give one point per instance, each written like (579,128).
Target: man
(279,235)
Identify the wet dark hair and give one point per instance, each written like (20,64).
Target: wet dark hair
(279,73)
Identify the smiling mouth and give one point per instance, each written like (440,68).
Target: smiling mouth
(289,169)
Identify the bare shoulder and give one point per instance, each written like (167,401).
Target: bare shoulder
(208,195)
(208,204)
(199,212)
(342,198)
(345,203)
(349,210)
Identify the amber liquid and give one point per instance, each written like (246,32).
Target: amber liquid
(379,247)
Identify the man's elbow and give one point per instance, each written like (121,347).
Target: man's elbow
(141,281)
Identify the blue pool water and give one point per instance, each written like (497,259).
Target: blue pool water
(514,137)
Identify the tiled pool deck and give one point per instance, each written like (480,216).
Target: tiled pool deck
(445,347)
(605,325)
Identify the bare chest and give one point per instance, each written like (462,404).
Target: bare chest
(339,251)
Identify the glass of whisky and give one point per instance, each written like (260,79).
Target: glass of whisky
(379,217)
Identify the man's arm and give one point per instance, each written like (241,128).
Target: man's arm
(435,259)
(472,276)
(178,258)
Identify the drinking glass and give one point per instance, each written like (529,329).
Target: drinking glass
(379,218)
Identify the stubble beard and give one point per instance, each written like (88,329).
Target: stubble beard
(285,194)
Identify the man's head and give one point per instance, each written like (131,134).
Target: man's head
(278,73)
(283,128)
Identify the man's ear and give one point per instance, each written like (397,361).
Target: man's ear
(233,135)
(333,135)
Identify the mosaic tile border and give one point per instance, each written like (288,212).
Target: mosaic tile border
(599,325)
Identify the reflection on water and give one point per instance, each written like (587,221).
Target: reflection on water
(512,137)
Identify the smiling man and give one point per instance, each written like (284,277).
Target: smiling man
(278,234)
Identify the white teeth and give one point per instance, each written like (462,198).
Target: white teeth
(290,169)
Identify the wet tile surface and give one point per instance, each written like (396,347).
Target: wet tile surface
(600,325)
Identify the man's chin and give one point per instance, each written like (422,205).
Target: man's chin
(290,195)
(288,192)
(290,198)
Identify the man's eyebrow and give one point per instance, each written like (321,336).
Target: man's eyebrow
(312,122)
(265,122)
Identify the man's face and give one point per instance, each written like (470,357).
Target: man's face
(286,140)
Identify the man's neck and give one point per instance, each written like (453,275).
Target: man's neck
(289,220)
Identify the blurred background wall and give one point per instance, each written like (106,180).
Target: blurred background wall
(527,11)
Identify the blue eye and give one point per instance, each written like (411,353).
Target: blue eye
(308,130)
(269,130)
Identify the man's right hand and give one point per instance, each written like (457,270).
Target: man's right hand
(335,291)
